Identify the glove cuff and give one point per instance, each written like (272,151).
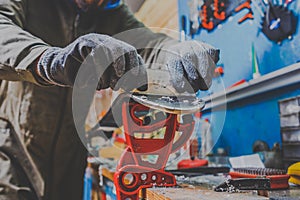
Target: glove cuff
(43,69)
(36,72)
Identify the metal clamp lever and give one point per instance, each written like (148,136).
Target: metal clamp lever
(232,185)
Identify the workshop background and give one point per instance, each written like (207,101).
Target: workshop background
(257,62)
(259,43)
(253,105)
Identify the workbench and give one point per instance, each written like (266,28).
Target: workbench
(201,187)
(196,193)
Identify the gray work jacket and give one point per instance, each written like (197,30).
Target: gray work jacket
(43,115)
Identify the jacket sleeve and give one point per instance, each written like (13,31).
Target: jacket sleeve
(18,48)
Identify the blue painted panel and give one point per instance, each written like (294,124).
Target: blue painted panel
(247,123)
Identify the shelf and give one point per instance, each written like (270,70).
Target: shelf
(284,79)
(293,128)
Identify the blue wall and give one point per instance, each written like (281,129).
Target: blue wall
(256,120)
(246,124)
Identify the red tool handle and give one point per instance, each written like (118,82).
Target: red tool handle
(137,129)
(186,129)
(277,181)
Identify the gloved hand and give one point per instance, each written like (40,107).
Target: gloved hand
(191,65)
(59,66)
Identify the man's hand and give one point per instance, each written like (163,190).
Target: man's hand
(191,65)
(59,66)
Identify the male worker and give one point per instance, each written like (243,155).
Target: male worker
(42,44)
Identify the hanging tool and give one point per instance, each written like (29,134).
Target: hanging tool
(219,9)
(245,5)
(215,12)
(249,15)
(279,23)
(206,21)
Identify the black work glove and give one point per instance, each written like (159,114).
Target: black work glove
(59,66)
(191,65)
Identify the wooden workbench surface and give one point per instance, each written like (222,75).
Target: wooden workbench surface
(201,188)
(198,193)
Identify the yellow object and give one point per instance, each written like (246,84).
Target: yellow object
(294,172)
(295,180)
(107,173)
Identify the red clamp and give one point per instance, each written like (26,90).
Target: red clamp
(133,172)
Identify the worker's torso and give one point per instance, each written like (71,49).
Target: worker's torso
(42,114)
